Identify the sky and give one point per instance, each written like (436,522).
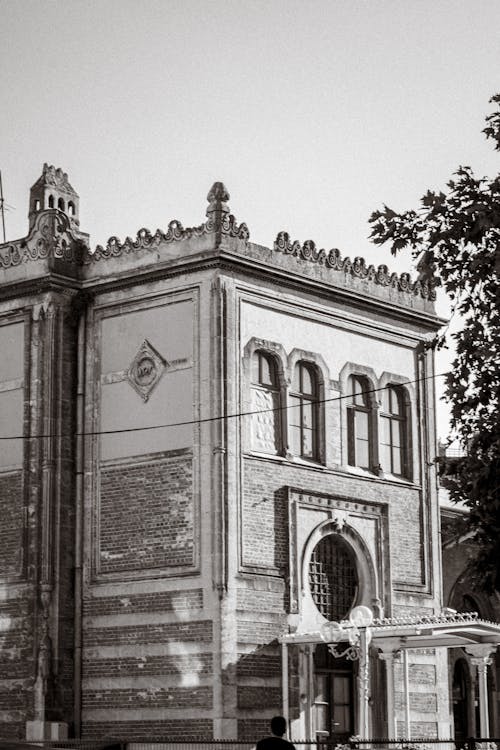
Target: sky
(312,113)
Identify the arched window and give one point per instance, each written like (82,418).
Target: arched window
(359,423)
(393,432)
(265,403)
(71,208)
(37,205)
(333,578)
(303,414)
(51,201)
(60,204)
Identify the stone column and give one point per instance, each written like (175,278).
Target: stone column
(364,683)
(481,658)
(389,657)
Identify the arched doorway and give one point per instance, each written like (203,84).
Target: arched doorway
(334,586)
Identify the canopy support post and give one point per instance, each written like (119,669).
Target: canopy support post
(481,658)
(388,657)
(406,678)
(284,681)
(364,684)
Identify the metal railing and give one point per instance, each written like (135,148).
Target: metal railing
(164,743)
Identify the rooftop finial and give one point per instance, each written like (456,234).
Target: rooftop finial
(217,197)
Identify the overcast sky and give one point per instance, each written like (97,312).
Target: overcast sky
(313,113)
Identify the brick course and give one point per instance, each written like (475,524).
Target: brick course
(146,515)
(161,601)
(152,697)
(148,665)
(259,697)
(200,631)
(425,703)
(262,665)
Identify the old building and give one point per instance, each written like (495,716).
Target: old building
(213,452)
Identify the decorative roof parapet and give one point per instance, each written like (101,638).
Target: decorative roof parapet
(51,237)
(219,221)
(442,618)
(423,286)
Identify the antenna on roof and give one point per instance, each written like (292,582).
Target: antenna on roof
(2,210)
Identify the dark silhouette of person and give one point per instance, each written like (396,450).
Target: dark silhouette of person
(276,741)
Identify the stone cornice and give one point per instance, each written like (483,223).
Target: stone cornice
(53,247)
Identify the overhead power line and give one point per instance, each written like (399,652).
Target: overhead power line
(220,418)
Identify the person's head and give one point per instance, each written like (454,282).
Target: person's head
(278,725)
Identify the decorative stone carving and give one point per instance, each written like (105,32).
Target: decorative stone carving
(424,285)
(51,236)
(219,220)
(146,369)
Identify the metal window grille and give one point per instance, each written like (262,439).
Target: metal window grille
(332,578)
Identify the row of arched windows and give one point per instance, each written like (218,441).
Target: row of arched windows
(377,438)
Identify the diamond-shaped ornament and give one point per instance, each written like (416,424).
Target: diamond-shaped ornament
(145,370)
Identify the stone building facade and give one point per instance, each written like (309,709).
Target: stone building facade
(207,445)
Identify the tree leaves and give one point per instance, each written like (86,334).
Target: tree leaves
(461,230)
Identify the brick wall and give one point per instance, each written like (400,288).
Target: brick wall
(146,515)
(168,729)
(159,601)
(264,518)
(11,527)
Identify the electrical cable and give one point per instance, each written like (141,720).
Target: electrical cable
(205,420)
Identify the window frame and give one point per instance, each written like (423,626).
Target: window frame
(395,390)
(275,388)
(303,398)
(353,409)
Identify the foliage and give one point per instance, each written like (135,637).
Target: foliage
(456,235)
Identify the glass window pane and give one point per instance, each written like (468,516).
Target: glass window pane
(362,454)
(294,416)
(307,414)
(341,689)
(361,426)
(255,367)
(321,687)
(386,400)
(385,431)
(396,401)
(307,381)
(267,371)
(396,432)
(307,443)
(396,461)
(322,718)
(295,440)
(385,457)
